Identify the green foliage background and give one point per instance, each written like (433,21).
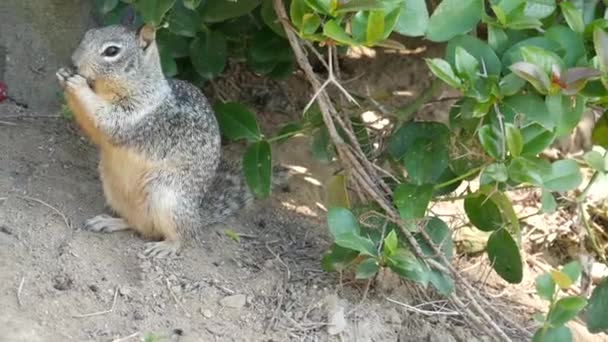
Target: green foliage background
(526,71)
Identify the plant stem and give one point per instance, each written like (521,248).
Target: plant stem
(459,178)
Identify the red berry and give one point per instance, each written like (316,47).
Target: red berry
(3,92)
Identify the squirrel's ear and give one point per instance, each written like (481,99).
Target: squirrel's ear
(146,35)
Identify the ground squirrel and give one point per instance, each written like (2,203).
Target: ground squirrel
(158,138)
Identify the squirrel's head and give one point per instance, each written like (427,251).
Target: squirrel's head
(117,53)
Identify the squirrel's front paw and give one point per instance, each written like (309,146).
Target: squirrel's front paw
(63,75)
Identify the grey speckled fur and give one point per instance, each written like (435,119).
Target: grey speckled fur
(167,121)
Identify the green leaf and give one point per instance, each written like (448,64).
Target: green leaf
(554,334)
(336,192)
(511,84)
(514,139)
(565,309)
(536,139)
(167,62)
(566,114)
(466,65)
(572,45)
(359,5)
(404,264)
(320,145)
(375,27)
(414,18)
(183,21)
(453,17)
(564,176)
(221,10)
(367,269)
(237,122)
(310,23)
(529,106)
(257,166)
(391,243)
(297,10)
(505,257)
(533,74)
(514,54)
(358,243)
(545,286)
(573,270)
(442,282)
(548,203)
(496,172)
(600,42)
(320,6)
(443,70)
(546,60)
(440,235)
(597,311)
(596,161)
(269,17)
(497,38)
(539,8)
(483,53)
(153,11)
(530,170)
(491,141)
(191,4)
(574,16)
(333,30)
(423,149)
(338,258)
(105,6)
(177,46)
(483,213)
(209,53)
(412,200)
(341,221)
(599,135)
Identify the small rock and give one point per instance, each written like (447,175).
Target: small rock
(62,283)
(138,316)
(6,230)
(250,300)
(93,288)
(206,313)
(124,291)
(236,301)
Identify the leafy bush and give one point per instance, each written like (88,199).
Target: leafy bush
(526,72)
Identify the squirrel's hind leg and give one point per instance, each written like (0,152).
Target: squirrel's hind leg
(106,224)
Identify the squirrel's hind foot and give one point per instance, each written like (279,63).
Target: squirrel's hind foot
(162,249)
(105,224)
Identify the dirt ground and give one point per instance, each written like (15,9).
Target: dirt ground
(59,283)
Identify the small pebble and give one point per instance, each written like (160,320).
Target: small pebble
(236,301)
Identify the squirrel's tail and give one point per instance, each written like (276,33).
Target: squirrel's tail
(229,192)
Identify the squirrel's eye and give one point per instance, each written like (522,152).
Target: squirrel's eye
(111,51)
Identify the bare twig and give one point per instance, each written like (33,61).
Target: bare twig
(65,219)
(126,338)
(416,309)
(19,289)
(177,301)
